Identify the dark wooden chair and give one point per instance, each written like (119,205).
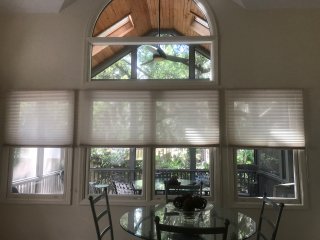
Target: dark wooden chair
(194,189)
(269,223)
(100,217)
(191,231)
(123,188)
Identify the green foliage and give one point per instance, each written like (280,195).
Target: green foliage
(119,70)
(245,156)
(269,160)
(173,160)
(163,69)
(157,69)
(202,63)
(109,157)
(179,158)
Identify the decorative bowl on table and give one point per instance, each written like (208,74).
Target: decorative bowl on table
(189,203)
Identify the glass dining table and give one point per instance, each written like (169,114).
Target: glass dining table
(139,221)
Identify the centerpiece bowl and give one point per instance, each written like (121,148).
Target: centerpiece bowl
(189,203)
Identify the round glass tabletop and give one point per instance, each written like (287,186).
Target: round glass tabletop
(140,220)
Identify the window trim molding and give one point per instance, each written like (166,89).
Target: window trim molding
(83,174)
(300,170)
(150,40)
(148,197)
(133,49)
(212,23)
(8,197)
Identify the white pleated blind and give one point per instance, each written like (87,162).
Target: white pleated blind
(146,117)
(187,117)
(39,118)
(267,118)
(116,117)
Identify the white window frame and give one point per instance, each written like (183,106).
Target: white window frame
(148,196)
(195,84)
(148,169)
(7,172)
(18,134)
(132,41)
(214,170)
(300,166)
(118,198)
(199,84)
(301,180)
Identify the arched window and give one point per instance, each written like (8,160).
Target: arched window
(153,39)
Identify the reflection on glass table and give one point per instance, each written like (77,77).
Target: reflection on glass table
(140,221)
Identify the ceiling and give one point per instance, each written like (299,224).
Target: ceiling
(176,15)
(55,6)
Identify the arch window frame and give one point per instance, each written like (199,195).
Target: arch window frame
(212,40)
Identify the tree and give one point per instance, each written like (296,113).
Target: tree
(245,156)
(160,68)
(109,157)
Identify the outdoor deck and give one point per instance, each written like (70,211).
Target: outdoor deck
(251,181)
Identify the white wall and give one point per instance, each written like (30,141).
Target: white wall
(262,49)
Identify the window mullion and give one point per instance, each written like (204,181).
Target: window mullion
(192,60)
(151,40)
(40,159)
(134,60)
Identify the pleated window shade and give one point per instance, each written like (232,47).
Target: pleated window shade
(265,118)
(187,117)
(115,117)
(39,118)
(149,117)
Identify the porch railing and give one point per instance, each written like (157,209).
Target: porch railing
(255,182)
(251,181)
(51,183)
(107,175)
(126,175)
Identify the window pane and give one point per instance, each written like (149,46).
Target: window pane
(202,66)
(190,165)
(114,33)
(38,170)
(52,160)
(114,168)
(163,62)
(145,61)
(24,163)
(121,69)
(265,170)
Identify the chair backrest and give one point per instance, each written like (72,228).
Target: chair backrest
(191,231)
(269,223)
(195,189)
(102,216)
(123,187)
